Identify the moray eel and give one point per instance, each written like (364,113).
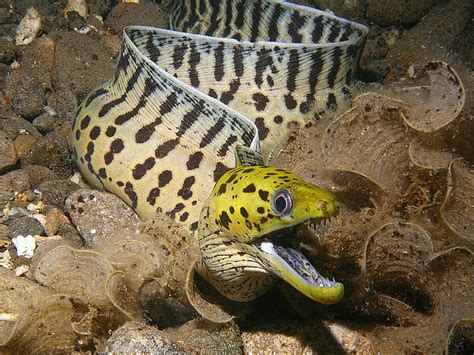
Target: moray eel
(246,229)
(162,131)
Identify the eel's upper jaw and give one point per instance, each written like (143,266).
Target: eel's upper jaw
(293,267)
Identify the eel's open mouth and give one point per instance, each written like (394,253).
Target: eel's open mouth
(293,267)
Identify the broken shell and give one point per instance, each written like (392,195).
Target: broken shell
(457,208)
(76,272)
(460,337)
(428,158)
(370,140)
(120,296)
(28,28)
(435,106)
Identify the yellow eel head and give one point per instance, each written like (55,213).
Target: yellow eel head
(252,211)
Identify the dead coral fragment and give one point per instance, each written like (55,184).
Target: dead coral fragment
(76,272)
(438,105)
(458,207)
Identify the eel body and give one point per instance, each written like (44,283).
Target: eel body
(162,131)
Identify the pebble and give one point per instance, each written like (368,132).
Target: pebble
(24,226)
(14,125)
(15,181)
(45,123)
(39,174)
(70,235)
(96,214)
(8,157)
(55,192)
(23,144)
(51,151)
(21,270)
(54,219)
(25,246)
(5,197)
(79,6)
(63,103)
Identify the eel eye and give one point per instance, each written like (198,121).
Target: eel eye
(282,203)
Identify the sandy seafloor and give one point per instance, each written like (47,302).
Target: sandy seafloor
(403,245)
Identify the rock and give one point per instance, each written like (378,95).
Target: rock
(353,9)
(27,85)
(297,338)
(96,213)
(16,180)
(437,32)
(144,13)
(28,27)
(395,12)
(112,43)
(8,157)
(24,226)
(63,103)
(4,71)
(51,151)
(23,144)
(45,123)
(135,337)
(7,51)
(54,220)
(70,235)
(55,192)
(39,174)
(14,125)
(91,63)
(5,197)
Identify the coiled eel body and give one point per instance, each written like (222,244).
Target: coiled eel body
(162,132)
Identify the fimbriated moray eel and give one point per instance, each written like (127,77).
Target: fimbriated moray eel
(163,131)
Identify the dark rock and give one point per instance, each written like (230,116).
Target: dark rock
(7,51)
(26,86)
(70,235)
(8,157)
(13,125)
(55,192)
(4,71)
(23,144)
(64,104)
(5,197)
(24,226)
(146,14)
(51,151)
(39,174)
(96,214)
(354,9)
(45,123)
(91,65)
(16,180)
(394,12)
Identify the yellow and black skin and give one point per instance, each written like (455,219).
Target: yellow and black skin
(240,222)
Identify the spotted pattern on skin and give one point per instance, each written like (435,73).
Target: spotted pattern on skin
(180,102)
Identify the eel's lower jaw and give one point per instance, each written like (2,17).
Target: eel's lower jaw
(293,267)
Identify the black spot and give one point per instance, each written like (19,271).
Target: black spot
(153,195)
(194,226)
(260,210)
(263,220)
(224,220)
(231,209)
(290,102)
(249,170)
(164,149)
(164,178)
(222,189)
(263,195)
(102,173)
(185,192)
(248,224)
(95,132)
(140,169)
(278,119)
(85,122)
(250,188)
(244,212)
(184,217)
(110,131)
(194,160)
(131,194)
(261,101)
(219,170)
(262,129)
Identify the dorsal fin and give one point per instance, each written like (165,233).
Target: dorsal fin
(245,156)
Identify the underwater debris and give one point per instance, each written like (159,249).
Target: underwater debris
(457,208)
(25,246)
(427,157)
(28,28)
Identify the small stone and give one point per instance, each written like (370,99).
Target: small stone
(46,123)
(63,104)
(23,143)
(39,174)
(24,226)
(16,180)
(5,197)
(21,270)
(96,214)
(8,157)
(135,337)
(55,192)
(29,27)
(70,235)
(79,6)
(54,219)
(51,151)
(14,126)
